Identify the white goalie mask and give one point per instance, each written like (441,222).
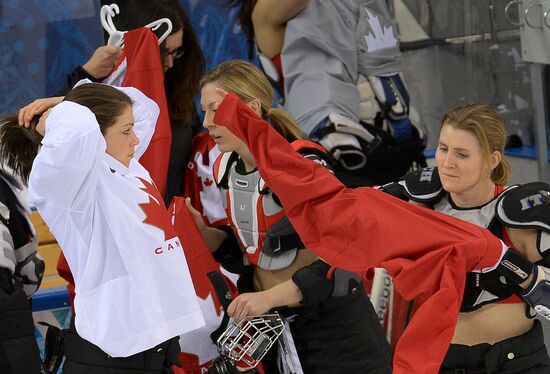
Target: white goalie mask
(249,340)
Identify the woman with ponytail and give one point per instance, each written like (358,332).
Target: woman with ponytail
(495,331)
(332,323)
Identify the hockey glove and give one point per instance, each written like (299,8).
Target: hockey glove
(537,294)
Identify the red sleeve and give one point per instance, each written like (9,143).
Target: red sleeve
(426,253)
(65,272)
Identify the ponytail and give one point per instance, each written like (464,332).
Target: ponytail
(502,172)
(19,145)
(285,125)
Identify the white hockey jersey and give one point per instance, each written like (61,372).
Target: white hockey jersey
(133,288)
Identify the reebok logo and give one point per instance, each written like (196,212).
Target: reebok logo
(513,268)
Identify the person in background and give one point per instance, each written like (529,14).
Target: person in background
(264,23)
(21,267)
(183,64)
(359,109)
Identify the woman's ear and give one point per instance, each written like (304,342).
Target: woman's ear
(256,106)
(496,157)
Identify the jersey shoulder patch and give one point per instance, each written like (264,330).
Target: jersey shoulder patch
(423,185)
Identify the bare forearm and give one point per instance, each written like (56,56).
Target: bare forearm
(286,293)
(213,238)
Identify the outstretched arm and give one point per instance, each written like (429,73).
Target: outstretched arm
(354,229)
(426,253)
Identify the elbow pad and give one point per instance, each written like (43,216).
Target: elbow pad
(7,254)
(319,281)
(29,273)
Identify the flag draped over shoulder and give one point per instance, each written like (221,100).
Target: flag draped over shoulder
(196,346)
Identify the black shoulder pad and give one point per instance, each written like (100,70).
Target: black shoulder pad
(423,185)
(525,206)
(395,189)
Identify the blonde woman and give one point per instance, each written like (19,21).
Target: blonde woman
(495,332)
(334,328)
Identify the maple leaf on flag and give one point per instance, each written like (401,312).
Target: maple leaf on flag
(208,182)
(155,212)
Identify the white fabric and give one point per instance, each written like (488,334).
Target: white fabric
(133,288)
(289,361)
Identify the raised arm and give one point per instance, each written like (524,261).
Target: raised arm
(324,211)
(426,253)
(269,18)
(65,171)
(146,112)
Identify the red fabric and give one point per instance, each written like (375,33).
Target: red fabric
(200,262)
(300,144)
(426,253)
(514,299)
(279,65)
(198,256)
(145,72)
(65,273)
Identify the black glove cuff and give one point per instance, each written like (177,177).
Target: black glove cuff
(229,253)
(515,268)
(313,283)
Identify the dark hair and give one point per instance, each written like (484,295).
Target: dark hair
(19,145)
(106,102)
(245,19)
(182,80)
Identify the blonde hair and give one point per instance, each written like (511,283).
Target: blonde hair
(487,126)
(248,82)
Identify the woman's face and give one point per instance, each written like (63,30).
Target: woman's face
(460,160)
(172,48)
(120,137)
(210,100)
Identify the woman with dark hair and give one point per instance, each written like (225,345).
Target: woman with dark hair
(134,295)
(183,64)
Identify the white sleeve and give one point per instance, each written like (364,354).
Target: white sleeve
(146,112)
(65,172)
